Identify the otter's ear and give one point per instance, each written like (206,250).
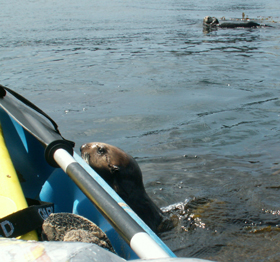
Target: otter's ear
(114,169)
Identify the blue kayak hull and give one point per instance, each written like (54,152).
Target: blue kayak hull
(41,181)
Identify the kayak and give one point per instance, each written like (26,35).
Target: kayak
(40,167)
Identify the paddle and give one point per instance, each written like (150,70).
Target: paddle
(58,152)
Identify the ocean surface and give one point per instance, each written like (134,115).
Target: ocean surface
(200,111)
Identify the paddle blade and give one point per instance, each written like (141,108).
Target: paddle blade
(35,121)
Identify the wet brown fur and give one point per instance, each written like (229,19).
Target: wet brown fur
(123,174)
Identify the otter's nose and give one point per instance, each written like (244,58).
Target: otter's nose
(86,157)
(84,146)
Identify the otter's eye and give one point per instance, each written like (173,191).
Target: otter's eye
(101,150)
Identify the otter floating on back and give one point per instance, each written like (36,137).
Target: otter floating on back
(210,22)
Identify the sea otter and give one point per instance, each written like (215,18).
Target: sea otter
(123,174)
(213,22)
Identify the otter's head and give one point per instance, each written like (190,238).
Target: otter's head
(116,167)
(210,21)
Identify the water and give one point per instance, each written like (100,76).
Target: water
(200,111)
